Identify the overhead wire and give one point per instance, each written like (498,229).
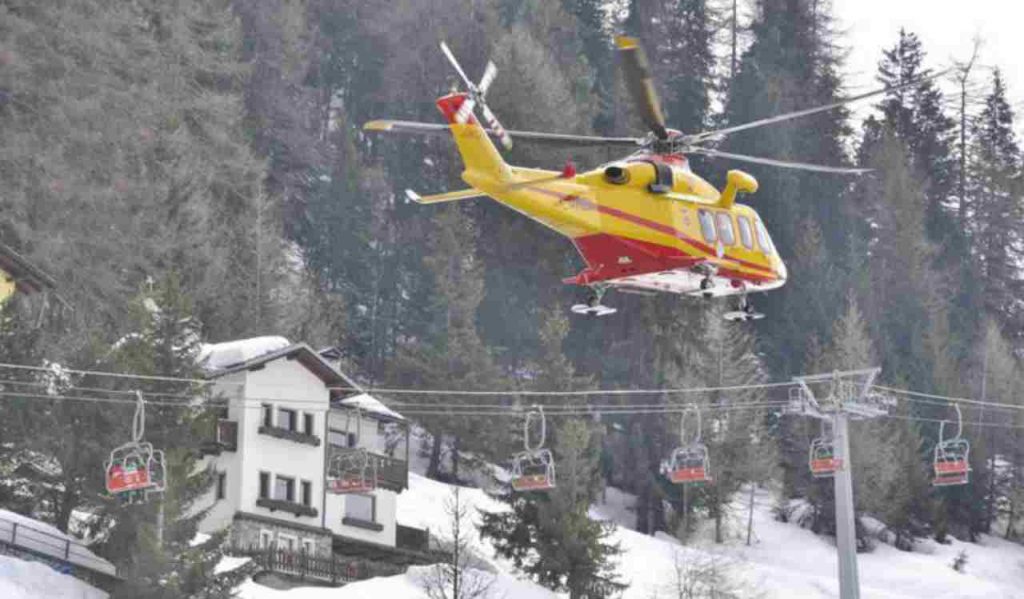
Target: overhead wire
(950,399)
(57,369)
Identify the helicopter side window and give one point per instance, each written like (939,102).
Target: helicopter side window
(762,237)
(725,230)
(707,226)
(746,233)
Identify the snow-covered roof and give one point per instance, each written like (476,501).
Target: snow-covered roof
(20,579)
(29,533)
(371,405)
(218,356)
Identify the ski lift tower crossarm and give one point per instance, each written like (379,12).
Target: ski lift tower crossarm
(839,396)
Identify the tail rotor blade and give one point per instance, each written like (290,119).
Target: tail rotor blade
(455,63)
(489,74)
(496,128)
(462,116)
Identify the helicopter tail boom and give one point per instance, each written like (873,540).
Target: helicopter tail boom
(483,161)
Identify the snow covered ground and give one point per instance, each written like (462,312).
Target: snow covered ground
(784,560)
(20,579)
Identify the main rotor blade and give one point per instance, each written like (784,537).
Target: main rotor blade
(719,133)
(567,139)
(558,139)
(455,63)
(803,166)
(388,126)
(641,86)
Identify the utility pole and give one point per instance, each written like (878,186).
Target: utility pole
(838,396)
(846,532)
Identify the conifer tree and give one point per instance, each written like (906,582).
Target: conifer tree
(549,535)
(997,202)
(152,543)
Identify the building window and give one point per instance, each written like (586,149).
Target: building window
(284,488)
(268,414)
(361,507)
(286,542)
(307,493)
(746,234)
(725,231)
(308,547)
(707,226)
(341,438)
(266,538)
(286,419)
(221,484)
(264,485)
(307,424)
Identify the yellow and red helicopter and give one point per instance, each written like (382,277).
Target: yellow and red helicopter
(644,223)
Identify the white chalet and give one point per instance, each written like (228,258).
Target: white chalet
(290,411)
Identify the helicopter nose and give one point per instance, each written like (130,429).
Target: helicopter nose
(780,271)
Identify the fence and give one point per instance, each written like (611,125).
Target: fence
(21,535)
(325,569)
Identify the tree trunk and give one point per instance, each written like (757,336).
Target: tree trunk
(434,468)
(750,514)
(455,460)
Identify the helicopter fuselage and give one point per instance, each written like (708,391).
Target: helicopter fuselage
(644,223)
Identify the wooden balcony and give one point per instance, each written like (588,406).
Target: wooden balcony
(392,474)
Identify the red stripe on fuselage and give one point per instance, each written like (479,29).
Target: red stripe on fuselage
(656,226)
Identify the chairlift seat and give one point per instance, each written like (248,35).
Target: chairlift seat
(689,465)
(696,474)
(822,460)
(532,482)
(352,473)
(533,471)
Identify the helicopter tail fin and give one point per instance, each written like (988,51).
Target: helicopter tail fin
(484,163)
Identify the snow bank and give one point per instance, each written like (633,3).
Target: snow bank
(26,532)
(368,403)
(229,563)
(32,580)
(217,356)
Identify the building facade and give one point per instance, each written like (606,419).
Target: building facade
(290,415)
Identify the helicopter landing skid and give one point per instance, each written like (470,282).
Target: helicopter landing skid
(745,313)
(593,306)
(595,310)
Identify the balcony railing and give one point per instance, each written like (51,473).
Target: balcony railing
(287,506)
(392,474)
(328,569)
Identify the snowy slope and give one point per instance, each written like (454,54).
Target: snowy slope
(32,580)
(784,560)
